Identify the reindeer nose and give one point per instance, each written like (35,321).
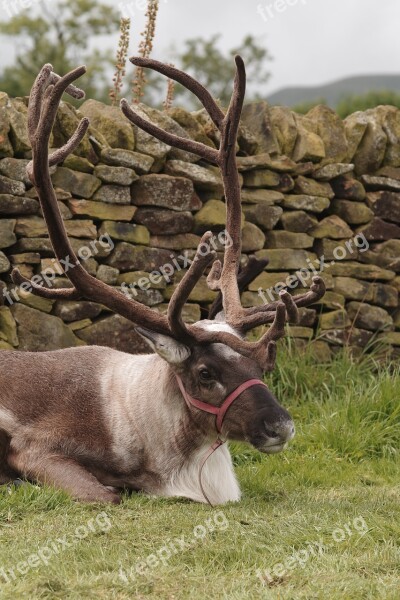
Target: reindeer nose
(283,431)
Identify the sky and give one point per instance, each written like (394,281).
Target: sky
(312,41)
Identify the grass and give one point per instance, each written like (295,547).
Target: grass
(319,521)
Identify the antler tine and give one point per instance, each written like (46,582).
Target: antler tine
(254,267)
(270,358)
(263,351)
(51,101)
(35,99)
(202,150)
(260,315)
(58,294)
(226,278)
(292,311)
(46,96)
(185,287)
(277,329)
(214,276)
(71,89)
(46,100)
(237,99)
(187,81)
(61,153)
(43,80)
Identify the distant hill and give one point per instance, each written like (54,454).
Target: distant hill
(332,93)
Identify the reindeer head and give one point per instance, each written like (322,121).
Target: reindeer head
(210,359)
(210,373)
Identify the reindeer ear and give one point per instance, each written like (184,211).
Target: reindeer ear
(169,349)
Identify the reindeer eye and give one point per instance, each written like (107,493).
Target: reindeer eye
(205,375)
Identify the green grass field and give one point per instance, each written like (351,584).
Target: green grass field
(320,521)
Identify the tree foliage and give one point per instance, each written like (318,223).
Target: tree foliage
(205,61)
(60,34)
(64,33)
(352,104)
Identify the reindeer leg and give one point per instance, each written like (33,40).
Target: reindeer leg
(63,473)
(7,475)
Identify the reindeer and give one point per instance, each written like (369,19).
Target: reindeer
(92,420)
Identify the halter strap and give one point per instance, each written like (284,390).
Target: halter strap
(218,411)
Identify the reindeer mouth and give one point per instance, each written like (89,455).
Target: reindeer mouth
(269,445)
(273,448)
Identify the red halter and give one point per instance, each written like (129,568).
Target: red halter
(219,412)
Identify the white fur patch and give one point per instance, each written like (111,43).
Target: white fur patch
(8,422)
(228,353)
(216,326)
(218,478)
(127,392)
(224,350)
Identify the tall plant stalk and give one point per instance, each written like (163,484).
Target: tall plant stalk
(169,98)
(122,54)
(145,48)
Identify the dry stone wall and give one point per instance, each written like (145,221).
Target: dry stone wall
(318,193)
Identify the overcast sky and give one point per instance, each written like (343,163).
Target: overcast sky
(312,41)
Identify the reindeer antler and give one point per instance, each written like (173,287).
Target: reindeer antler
(45,97)
(44,101)
(224,277)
